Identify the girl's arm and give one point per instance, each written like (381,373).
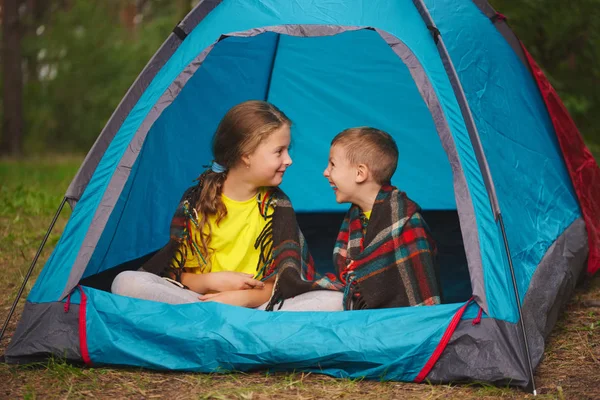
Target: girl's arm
(220,282)
(250,298)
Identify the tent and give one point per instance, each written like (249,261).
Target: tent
(486,148)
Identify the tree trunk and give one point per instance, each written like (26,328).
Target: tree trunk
(12,124)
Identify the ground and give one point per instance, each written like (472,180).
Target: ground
(30,192)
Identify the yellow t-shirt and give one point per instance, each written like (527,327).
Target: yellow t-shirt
(232,241)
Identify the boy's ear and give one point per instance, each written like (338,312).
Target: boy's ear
(362,173)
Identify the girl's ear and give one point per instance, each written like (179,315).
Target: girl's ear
(362,173)
(245,160)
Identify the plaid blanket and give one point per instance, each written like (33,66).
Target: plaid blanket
(281,242)
(387,261)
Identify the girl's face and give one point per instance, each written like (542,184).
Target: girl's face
(267,164)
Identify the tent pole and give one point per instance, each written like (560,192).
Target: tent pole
(272,67)
(32,266)
(518,298)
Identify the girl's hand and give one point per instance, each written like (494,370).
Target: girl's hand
(251,298)
(234,298)
(227,280)
(220,281)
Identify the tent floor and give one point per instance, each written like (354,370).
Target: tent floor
(320,230)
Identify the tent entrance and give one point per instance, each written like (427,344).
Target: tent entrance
(324,84)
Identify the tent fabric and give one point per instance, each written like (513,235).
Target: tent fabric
(582,166)
(518,139)
(475,139)
(239,339)
(499,22)
(45,329)
(551,286)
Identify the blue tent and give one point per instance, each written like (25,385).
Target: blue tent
(447,78)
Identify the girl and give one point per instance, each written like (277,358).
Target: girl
(234,231)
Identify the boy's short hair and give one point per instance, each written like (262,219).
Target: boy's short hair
(372,147)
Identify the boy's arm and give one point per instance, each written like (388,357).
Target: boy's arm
(250,298)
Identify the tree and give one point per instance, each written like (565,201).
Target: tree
(12,88)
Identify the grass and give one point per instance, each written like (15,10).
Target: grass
(30,192)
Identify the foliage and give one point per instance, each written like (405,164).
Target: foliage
(81,56)
(79,59)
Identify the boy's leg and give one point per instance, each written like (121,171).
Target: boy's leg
(318,300)
(147,286)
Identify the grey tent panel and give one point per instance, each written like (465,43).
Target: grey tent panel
(45,328)
(472,347)
(553,283)
(202,9)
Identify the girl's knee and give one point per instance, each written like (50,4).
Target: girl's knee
(127,282)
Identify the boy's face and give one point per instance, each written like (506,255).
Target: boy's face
(342,176)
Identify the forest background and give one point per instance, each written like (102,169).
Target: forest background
(66,64)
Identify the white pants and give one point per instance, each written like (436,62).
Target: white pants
(147,286)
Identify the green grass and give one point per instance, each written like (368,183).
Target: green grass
(34,187)
(31,190)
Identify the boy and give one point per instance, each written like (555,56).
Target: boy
(384,253)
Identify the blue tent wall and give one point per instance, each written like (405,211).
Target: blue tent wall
(213,337)
(327,84)
(534,189)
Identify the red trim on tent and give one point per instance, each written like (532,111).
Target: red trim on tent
(583,169)
(442,344)
(82,329)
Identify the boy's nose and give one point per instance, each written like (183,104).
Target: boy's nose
(326,172)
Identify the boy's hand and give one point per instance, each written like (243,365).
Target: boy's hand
(227,280)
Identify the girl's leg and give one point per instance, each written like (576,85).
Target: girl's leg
(147,286)
(318,300)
